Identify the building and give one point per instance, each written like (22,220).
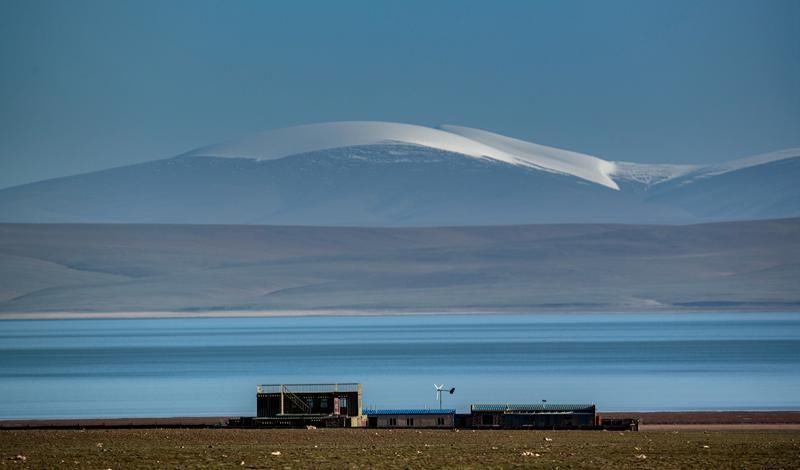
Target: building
(297,405)
(411,418)
(339,405)
(535,416)
(619,424)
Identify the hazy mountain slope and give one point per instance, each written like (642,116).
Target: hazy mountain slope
(23,275)
(567,267)
(764,190)
(385,185)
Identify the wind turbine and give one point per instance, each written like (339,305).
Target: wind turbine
(439,390)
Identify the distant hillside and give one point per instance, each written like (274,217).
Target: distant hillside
(184,268)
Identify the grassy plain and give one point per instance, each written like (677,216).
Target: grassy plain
(351,448)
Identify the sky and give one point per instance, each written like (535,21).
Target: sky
(88,85)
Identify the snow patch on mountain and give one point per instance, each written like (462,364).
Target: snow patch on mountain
(280,143)
(583,166)
(649,174)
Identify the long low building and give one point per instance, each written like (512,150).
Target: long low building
(339,405)
(411,418)
(533,416)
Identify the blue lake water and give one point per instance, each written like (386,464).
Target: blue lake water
(195,367)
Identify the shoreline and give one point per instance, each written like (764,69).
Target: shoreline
(650,420)
(67,315)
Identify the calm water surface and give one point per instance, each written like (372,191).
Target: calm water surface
(181,367)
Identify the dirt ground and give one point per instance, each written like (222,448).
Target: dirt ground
(370,448)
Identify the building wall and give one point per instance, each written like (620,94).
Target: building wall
(269,404)
(416,421)
(549,420)
(491,419)
(487,419)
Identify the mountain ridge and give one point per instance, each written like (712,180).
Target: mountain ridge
(387,174)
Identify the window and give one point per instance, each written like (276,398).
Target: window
(487,420)
(392,421)
(409,421)
(440,421)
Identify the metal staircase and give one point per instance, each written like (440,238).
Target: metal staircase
(296,400)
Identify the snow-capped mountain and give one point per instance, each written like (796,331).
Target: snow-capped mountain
(281,143)
(389,174)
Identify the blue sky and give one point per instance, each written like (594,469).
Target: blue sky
(87,85)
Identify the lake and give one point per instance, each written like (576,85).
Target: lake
(211,366)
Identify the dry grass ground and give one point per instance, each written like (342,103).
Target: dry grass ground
(350,448)
(110,270)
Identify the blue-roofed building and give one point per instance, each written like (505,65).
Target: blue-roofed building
(411,418)
(534,416)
